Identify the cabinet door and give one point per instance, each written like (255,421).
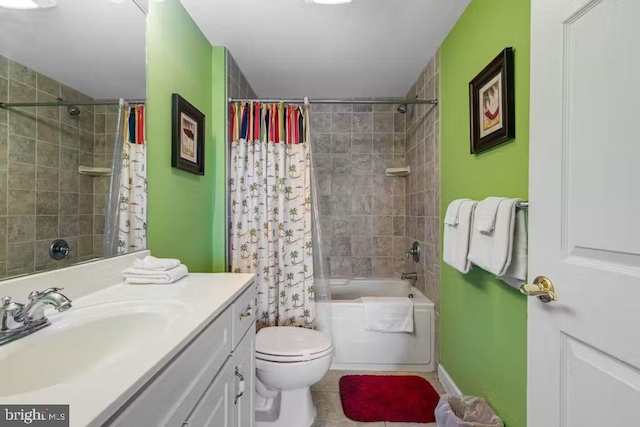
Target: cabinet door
(243,362)
(216,408)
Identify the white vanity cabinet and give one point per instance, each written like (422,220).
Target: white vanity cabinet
(210,383)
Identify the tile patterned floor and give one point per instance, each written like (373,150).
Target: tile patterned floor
(326,396)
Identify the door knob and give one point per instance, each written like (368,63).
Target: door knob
(541,288)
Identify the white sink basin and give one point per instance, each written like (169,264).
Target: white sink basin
(81,340)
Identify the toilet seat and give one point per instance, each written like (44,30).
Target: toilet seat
(287,344)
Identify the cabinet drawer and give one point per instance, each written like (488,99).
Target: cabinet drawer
(244,313)
(171,397)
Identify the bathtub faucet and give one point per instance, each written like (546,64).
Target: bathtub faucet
(412,277)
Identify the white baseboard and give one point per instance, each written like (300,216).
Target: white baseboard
(447,382)
(381,367)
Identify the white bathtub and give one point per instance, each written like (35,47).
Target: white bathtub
(360,349)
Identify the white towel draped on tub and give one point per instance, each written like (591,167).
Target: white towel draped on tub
(388,314)
(140,276)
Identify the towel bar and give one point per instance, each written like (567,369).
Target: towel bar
(522,205)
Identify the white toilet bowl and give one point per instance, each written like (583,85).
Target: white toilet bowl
(289,361)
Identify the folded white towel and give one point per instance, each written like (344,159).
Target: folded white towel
(156,264)
(141,276)
(516,274)
(486,212)
(492,251)
(455,247)
(388,314)
(452,215)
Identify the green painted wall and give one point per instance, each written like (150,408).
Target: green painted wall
(218,171)
(186,211)
(483,321)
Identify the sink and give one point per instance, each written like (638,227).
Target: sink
(82,340)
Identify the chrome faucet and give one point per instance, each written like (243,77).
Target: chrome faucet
(412,277)
(19,320)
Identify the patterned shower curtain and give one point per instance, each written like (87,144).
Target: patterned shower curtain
(132,234)
(270,186)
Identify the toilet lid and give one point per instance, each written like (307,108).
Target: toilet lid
(291,344)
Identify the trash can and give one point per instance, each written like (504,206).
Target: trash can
(465,411)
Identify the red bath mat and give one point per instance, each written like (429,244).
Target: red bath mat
(399,398)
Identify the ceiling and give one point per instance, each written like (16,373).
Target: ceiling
(95,46)
(290,48)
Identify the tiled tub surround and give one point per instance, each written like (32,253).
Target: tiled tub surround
(42,196)
(237,84)
(362,211)
(423,186)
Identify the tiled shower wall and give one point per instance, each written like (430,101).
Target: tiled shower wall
(237,84)
(42,196)
(362,211)
(423,185)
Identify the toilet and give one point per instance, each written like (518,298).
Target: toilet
(289,360)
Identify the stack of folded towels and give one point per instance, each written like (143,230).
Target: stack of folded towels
(152,270)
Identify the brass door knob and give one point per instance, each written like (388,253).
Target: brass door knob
(541,288)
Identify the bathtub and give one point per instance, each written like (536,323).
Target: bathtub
(360,349)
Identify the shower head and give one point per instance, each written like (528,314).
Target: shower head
(402,108)
(73,110)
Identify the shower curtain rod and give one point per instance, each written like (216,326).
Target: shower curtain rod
(341,101)
(68,103)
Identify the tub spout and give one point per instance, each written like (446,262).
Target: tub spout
(412,277)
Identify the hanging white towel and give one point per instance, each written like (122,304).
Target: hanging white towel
(516,274)
(455,247)
(156,264)
(486,212)
(453,210)
(388,314)
(492,251)
(140,276)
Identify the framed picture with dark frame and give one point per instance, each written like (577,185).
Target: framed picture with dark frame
(492,104)
(187,151)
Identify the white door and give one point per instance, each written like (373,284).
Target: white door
(584,348)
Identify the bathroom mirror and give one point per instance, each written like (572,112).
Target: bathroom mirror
(60,165)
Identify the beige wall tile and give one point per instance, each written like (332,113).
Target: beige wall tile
(21,228)
(22,74)
(21,257)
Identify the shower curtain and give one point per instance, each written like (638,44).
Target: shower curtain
(126,214)
(132,234)
(271,210)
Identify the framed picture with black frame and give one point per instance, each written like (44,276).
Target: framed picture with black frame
(492,104)
(187,151)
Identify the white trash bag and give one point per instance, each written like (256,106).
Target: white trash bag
(465,411)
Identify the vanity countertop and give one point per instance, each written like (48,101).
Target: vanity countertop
(157,322)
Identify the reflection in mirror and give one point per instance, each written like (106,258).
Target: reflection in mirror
(72,148)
